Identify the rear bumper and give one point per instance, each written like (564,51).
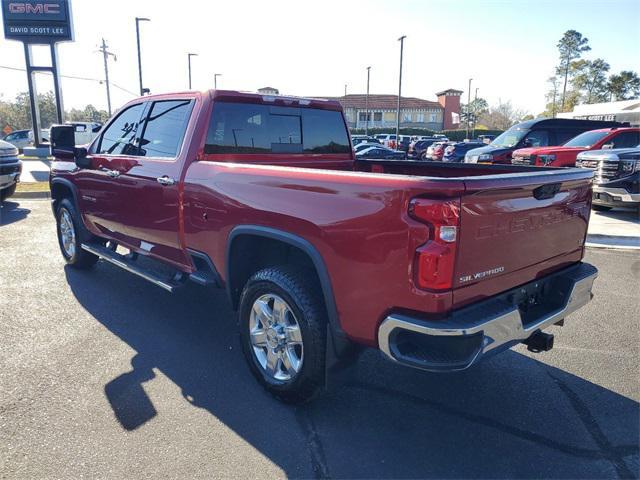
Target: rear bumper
(489,326)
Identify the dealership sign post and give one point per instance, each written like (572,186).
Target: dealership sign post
(46,22)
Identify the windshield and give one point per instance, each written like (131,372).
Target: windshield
(586,139)
(509,138)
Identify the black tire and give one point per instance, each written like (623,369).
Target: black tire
(302,296)
(79,258)
(7,192)
(601,208)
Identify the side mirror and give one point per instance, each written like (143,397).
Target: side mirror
(63,145)
(63,141)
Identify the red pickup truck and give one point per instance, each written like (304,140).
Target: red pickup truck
(437,265)
(566,155)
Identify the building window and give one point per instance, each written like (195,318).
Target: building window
(377,116)
(389,116)
(432,117)
(407,117)
(362,116)
(420,117)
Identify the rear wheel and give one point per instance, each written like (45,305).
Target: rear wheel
(71,234)
(283,333)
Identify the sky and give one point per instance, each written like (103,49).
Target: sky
(315,48)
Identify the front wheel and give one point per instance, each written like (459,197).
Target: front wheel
(283,333)
(71,233)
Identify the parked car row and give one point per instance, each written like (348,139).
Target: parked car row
(611,149)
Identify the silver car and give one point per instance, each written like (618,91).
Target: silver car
(20,139)
(10,169)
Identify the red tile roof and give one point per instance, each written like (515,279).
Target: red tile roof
(384,102)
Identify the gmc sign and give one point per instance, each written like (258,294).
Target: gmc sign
(41,8)
(45,21)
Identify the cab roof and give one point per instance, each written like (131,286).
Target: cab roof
(257,98)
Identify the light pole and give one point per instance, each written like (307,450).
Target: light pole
(345,90)
(189,55)
(105,56)
(366,105)
(475,105)
(138,20)
(468,107)
(401,40)
(215,80)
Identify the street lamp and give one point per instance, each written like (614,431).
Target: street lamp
(189,55)
(366,105)
(401,40)
(215,80)
(468,106)
(475,120)
(138,20)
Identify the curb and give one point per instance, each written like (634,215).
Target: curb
(613,241)
(31,195)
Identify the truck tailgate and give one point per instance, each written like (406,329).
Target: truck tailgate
(519,226)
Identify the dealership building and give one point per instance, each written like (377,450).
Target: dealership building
(441,114)
(622,111)
(415,112)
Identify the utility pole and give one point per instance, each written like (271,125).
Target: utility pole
(189,55)
(401,40)
(475,119)
(105,55)
(345,90)
(468,107)
(366,105)
(138,20)
(215,80)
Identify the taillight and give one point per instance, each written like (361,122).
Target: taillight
(435,260)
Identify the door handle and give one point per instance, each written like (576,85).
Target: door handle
(111,173)
(165,180)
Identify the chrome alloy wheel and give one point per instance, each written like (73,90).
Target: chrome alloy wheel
(276,338)
(67,233)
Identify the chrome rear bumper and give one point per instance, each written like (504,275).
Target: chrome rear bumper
(462,339)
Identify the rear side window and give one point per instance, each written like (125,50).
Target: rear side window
(625,140)
(165,128)
(252,128)
(119,137)
(324,132)
(538,138)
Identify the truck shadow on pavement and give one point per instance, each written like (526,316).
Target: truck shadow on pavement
(11,212)
(512,416)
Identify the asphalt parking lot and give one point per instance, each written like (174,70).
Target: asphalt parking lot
(105,375)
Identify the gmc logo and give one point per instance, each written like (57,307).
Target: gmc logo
(39,8)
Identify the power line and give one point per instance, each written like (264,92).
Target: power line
(74,77)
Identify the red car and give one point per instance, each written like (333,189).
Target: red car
(436,265)
(565,155)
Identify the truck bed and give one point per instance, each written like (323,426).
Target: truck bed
(359,223)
